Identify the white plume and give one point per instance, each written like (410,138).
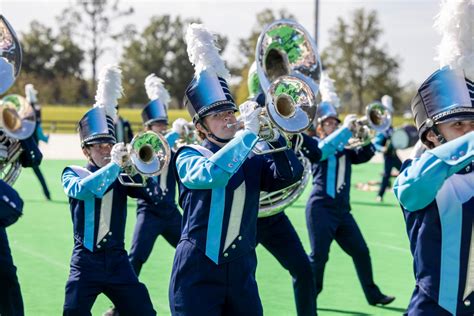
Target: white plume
(31,93)
(155,89)
(202,51)
(387,101)
(455,23)
(328,91)
(109,89)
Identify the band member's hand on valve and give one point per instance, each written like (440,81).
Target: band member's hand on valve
(349,122)
(249,114)
(119,154)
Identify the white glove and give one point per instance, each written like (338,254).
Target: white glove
(349,122)
(249,114)
(119,154)
(178,125)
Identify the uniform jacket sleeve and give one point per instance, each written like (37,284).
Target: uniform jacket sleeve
(281,170)
(147,192)
(334,142)
(420,179)
(40,133)
(171,138)
(310,148)
(361,154)
(198,172)
(93,185)
(9,198)
(379,141)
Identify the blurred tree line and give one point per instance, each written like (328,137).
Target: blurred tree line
(362,68)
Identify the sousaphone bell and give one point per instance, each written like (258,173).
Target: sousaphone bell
(288,68)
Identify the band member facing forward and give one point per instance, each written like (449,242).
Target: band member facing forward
(219,184)
(98,204)
(163,217)
(436,188)
(328,208)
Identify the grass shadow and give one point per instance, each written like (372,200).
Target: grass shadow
(344,312)
(43,200)
(395,309)
(376,204)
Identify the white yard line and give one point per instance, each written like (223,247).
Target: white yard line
(38,255)
(400,249)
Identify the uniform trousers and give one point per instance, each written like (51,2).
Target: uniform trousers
(200,287)
(109,272)
(147,229)
(423,305)
(326,225)
(278,236)
(11,301)
(390,162)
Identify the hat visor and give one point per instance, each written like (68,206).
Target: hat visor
(322,119)
(100,140)
(157,120)
(221,108)
(456,116)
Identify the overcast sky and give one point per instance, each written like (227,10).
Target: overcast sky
(407,24)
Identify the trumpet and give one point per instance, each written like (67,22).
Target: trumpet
(378,118)
(149,154)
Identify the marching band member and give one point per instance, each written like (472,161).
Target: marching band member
(219,185)
(383,144)
(31,97)
(277,234)
(436,188)
(162,217)
(123,129)
(98,204)
(11,204)
(328,214)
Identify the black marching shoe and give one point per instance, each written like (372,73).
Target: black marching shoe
(383,300)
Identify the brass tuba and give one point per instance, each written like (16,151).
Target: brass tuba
(149,156)
(272,203)
(377,118)
(17,122)
(288,68)
(10,55)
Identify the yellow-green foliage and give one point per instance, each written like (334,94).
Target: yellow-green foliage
(63,119)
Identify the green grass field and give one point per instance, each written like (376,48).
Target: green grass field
(41,243)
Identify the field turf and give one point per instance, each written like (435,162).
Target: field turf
(41,243)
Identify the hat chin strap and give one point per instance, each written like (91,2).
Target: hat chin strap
(438,135)
(211,135)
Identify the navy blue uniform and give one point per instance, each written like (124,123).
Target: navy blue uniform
(328,208)
(390,158)
(279,237)
(214,266)
(123,131)
(160,218)
(11,302)
(11,207)
(40,136)
(440,227)
(99,263)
